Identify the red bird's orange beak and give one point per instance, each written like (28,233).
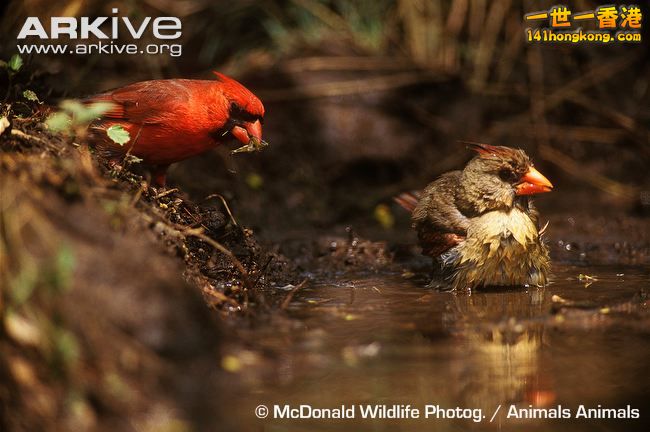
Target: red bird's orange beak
(533,182)
(255,130)
(250,136)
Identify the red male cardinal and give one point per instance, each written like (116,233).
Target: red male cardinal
(480,224)
(174,119)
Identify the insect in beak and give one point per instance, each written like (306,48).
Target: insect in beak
(250,136)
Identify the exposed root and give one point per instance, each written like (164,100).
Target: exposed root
(289,297)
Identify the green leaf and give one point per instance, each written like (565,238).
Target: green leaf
(118,134)
(72,106)
(15,63)
(30,95)
(63,269)
(59,122)
(97,109)
(84,114)
(24,283)
(66,347)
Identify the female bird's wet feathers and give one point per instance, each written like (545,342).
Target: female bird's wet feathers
(479,226)
(502,248)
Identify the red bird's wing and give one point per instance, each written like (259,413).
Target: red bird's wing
(147,102)
(152,112)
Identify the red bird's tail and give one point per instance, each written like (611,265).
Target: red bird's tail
(408,200)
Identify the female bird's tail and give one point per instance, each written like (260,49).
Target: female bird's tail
(408,200)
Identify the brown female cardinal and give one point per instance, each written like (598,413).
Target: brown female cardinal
(174,119)
(480,225)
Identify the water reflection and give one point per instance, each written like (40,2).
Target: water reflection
(503,339)
(387,340)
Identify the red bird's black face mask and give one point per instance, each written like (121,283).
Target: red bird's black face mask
(246,114)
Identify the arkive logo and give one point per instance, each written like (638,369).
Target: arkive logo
(162,27)
(102,29)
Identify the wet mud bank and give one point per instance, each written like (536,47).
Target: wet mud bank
(115,294)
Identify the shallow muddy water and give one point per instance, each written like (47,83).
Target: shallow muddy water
(385,339)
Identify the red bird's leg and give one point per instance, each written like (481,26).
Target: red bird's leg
(159,173)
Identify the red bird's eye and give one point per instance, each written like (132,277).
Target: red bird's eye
(237,113)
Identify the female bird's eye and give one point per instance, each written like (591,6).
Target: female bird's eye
(506,174)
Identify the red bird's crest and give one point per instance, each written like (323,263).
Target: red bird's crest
(239,94)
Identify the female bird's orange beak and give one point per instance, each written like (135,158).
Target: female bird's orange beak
(533,182)
(250,136)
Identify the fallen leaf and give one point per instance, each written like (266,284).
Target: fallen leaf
(22,330)
(15,63)
(4,124)
(58,122)
(384,216)
(30,95)
(254,181)
(118,134)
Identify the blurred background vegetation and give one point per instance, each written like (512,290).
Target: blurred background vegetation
(368,98)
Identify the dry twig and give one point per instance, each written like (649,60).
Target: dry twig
(226,206)
(287,299)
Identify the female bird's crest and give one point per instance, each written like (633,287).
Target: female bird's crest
(487,151)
